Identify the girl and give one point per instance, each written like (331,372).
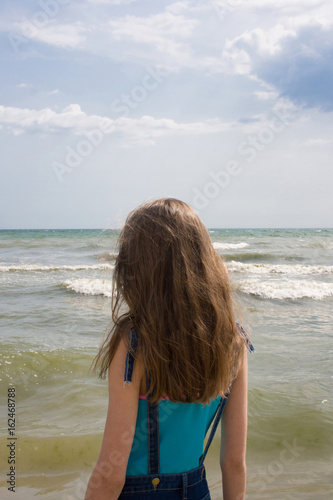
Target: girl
(175,359)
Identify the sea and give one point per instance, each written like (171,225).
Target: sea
(55,308)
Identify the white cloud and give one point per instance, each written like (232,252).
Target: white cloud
(293,57)
(175,7)
(141,131)
(266,96)
(17,131)
(166,34)
(136,130)
(318,142)
(61,35)
(267,40)
(238,53)
(187,6)
(293,12)
(54,92)
(175,35)
(180,37)
(110,2)
(153,29)
(163,38)
(289,5)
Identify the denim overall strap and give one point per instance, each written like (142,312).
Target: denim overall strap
(245,337)
(152,410)
(214,427)
(224,400)
(129,363)
(153,435)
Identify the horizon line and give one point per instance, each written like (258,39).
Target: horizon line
(118,229)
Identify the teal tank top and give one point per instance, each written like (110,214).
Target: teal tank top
(182,430)
(182,427)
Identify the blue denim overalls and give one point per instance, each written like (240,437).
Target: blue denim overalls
(191,485)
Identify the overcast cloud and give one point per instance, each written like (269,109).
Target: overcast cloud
(225,104)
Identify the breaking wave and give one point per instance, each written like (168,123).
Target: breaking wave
(90,286)
(229,246)
(36,267)
(291,270)
(286,289)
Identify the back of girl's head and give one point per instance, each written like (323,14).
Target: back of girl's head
(163,250)
(177,296)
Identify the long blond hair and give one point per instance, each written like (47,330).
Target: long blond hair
(171,286)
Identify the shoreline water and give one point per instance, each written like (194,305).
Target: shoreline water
(56,306)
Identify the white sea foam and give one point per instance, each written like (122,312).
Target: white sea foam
(229,246)
(35,267)
(90,286)
(286,289)
(270,289)
(291,270)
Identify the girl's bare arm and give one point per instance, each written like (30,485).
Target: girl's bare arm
(108,476)
(233,438)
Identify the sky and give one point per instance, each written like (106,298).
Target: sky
(225,104)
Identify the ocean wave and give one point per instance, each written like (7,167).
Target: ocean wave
(90,286)
(56,453)
(318,244)
(252,256)
(229,246)
(36,267)
(286,289)
(107,256)
(291,270)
